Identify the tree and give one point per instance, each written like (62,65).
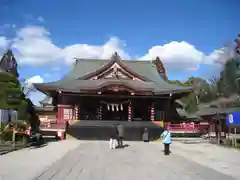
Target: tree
(228,83)
(192,100)
(10,92)
(13,95)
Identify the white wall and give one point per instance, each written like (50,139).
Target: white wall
(4,115)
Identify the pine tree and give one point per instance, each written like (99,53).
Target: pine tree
(12,93)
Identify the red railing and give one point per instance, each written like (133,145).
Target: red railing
(187,127)
(52,123)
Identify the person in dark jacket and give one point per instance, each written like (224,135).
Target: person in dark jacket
(145,136)
(120,129)
(113,137)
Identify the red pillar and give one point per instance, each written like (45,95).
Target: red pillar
(60,108)
(152,112)
(60,113)
(100,112)
(61,134)
(129,111)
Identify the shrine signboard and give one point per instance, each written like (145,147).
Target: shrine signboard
(233,119)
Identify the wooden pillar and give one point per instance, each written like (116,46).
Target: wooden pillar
(76,111)
(129,111)
(152,112)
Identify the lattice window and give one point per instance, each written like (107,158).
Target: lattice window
(67,113)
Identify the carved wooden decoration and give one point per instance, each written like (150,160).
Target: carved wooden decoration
(8,63)
(115,72)
(115,56)
(160,68)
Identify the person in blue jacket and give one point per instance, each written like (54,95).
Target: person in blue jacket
(167,140)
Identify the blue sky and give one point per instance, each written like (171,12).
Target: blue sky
(187,35)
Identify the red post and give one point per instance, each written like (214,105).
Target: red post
(60,113)
(100,112)
(76,111)
(61,134)
(152,112)
(129,111)
(169,126)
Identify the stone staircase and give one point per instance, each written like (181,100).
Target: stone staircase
(100,130)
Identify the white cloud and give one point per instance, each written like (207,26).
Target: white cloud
(34,45)
(181,55)
(35,79)
(35,96)
(104,51)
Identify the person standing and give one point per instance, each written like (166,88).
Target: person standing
(145,136)
(167,140)
(113,137)
(120,129)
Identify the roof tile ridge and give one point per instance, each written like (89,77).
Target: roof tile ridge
(90,59)
(139,61)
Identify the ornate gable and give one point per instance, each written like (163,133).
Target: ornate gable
(115,71)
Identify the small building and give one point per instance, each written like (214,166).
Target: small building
(47,112)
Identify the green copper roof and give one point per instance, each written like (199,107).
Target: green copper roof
(74,80)
(85,66)
(143,68)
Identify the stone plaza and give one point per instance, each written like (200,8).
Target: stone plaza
(85,160)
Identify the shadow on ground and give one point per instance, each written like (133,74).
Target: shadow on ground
(35,145)
(124,146)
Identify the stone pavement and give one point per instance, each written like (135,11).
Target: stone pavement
(224,160)
(25,164)
(92,160)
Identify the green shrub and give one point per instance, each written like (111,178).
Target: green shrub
(6,136)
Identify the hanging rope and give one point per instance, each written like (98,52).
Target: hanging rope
(107,103)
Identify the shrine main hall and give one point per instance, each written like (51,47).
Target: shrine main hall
(114,90)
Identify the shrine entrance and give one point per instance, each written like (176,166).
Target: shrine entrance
(114,111)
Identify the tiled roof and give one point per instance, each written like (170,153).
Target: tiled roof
(46,101)
(74,80)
